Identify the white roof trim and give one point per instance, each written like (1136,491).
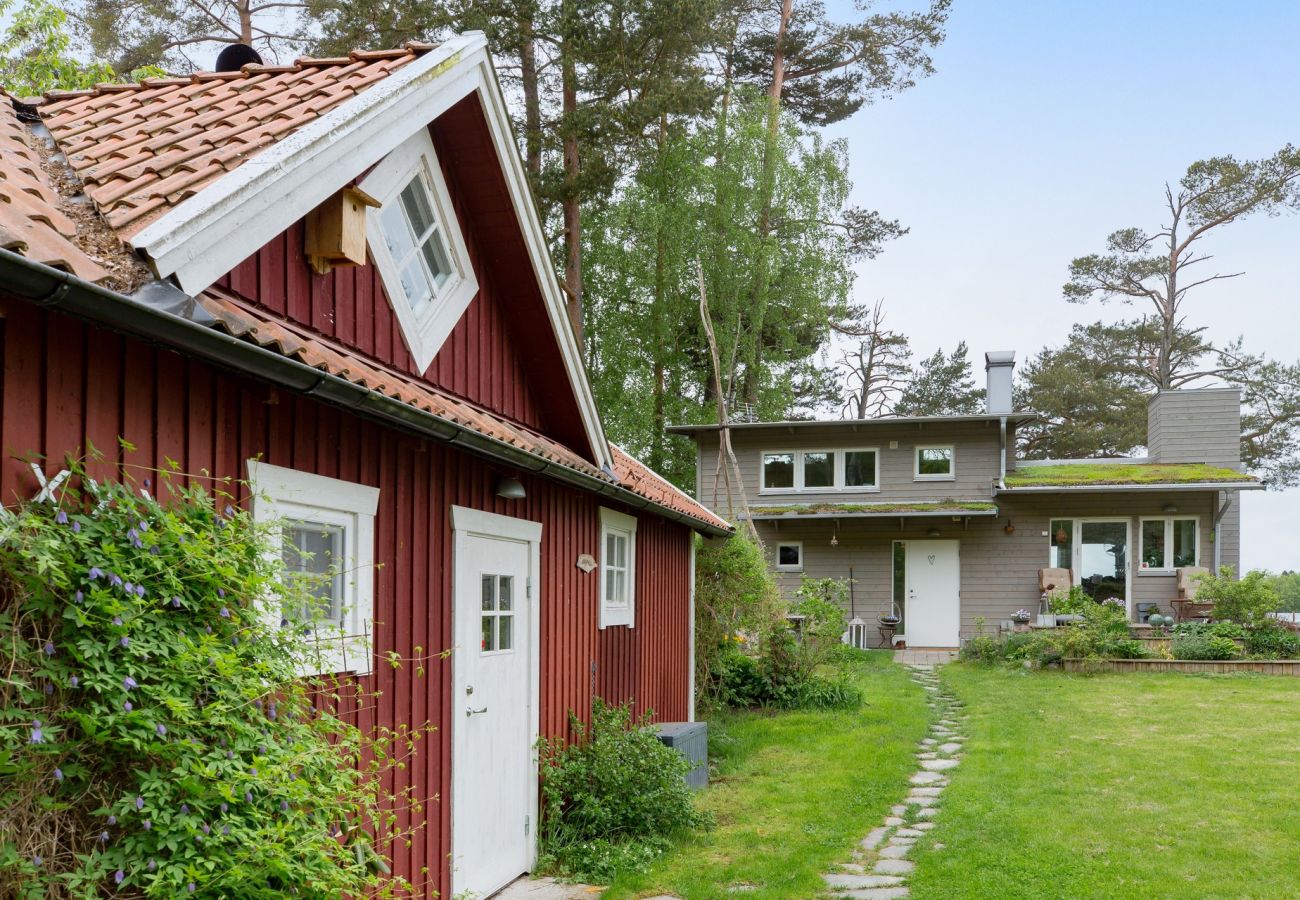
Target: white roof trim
(210,233)
(1173,486)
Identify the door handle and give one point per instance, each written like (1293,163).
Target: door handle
(471,711)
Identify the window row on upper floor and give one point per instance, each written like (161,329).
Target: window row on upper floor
(856,469)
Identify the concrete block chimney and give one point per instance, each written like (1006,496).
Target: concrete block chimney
(999,365)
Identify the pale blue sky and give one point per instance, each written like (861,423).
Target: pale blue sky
(1046,126)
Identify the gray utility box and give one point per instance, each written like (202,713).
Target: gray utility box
(691,740)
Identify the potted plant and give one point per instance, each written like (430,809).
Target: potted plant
(1021,617)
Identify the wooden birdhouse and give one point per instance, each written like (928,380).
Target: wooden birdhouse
(336,231)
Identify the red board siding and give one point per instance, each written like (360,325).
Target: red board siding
(67,385)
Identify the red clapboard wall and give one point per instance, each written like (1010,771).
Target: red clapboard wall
(68,385)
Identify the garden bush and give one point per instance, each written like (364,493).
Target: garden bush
(735,595)
(1191,645)
(613,797)
(1272,640)
(156,740)
(1247,600)
(1229,630)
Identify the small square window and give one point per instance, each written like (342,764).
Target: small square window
(1168,544)
(617,569)
(789,557)
(934,462)
(311,554)
(778,471)
(818,469)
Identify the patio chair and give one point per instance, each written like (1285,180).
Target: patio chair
(1049,582)
(1186,607)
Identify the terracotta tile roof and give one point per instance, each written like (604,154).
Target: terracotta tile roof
(251,324)
(640,478)
(141,149)
(32,222)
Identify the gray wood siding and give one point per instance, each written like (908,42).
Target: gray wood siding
(999,572)
(975,445)
(1195,426)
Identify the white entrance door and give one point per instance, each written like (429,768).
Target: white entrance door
(933,614)
(494,700)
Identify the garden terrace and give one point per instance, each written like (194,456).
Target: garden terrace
(1127,475)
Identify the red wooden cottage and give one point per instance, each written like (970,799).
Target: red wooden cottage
(330,279)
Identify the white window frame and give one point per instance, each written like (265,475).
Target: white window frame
(837,477)
(842,468)
(952,462)
(281,494)
(426,330)
(617,523)
(798,567)
(1168,568)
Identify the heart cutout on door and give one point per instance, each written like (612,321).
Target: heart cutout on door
(931,558)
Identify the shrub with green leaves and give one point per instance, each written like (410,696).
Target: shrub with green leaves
(154,738)
(1190,645)
(735,594)
(1272,640)
(613,797)
(1246,600)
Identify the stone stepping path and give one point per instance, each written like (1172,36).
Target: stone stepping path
(880,866)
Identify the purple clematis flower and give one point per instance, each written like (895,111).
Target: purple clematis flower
(61,518)
(114,579)
(49,648)
(207,829)
(128,587)
(37,737)
(225,613)
(125,641)
(126,706)
(103,837)
(73,681)
(117,620)
(36,860)
(185,809)
(221,593)
(230,754)
(152,865)
(142,525)
(161,729)
(76,528)
(49,688)
(118,876)
(78,597)
(191,887)
(176,602)
(248,796)
(129,683)
(284,806)
(112,820)
(58,774)
(139,590)
(225,807)
(225,829)
(139,802)
(147,825)
(95,572)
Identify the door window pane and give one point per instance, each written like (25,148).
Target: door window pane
(505,588)
(1184,542)
(818,469)
(860,468)
(488,595)
(488,643)
(934,461)
(1062,556)
(505,632)
(1104,559)
(1153,544)
(498,615)
(778,470)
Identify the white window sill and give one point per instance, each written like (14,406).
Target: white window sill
(934,477)
(1167,573)
(794,569)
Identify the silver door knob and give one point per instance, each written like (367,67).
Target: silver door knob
(471,711)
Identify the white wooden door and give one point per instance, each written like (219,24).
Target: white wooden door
(933,614)
(494,777)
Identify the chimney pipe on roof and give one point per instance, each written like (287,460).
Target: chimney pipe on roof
(998,368)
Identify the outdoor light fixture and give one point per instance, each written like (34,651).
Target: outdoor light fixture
(1170,508)
(510,489)
(1009,529)
(933,532)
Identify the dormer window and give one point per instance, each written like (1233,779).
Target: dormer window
(417,246)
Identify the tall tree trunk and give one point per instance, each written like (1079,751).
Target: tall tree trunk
(658,314)
(243,8)
(532,94)
(767,186)
(570,201)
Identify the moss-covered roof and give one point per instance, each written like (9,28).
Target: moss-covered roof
(920,507)
(1089,474)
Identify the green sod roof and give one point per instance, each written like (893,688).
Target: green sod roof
(1087,474)
(920,507)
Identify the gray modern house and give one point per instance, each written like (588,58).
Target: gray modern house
(935,518)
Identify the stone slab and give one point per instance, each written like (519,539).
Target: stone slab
(939,765)
(874,838)
(895,867)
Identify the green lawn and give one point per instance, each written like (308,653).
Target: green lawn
(795,792)
(1120,786)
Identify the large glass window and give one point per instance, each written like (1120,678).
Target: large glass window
(1168,543)
(1103,559)
(818,469)
(778,471)
(860,468)
(934,462)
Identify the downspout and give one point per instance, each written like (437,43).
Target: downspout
(1002,453)
(50,288)
(690,641)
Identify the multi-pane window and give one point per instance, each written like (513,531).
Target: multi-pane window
(818,470)
(1169,543)
(1062,546)
(417,243)
(789,556)
(498,617)
(617,569)
(934,462)
(312,552)
(860,469)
